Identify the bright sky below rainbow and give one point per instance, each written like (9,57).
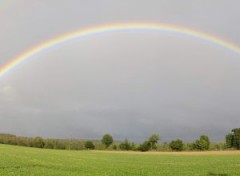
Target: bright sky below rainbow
(91,31)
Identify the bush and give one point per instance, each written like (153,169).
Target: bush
(114,147)
(38,142)
(89,145)
(49,144)
(60,145)
(177,145)
(163,147)
(202,144)
(125,145)
(146,146)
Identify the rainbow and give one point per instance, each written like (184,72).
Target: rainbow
(112,28)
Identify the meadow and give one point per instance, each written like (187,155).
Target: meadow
(24,161)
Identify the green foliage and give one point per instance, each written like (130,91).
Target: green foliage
(125,145)
(205,138)
(114,147)
(233,139)
(229,140)
(89,145)
(100,146)
(76,145)
(107,140)
(218,146)
(177,145)
(236,138)
(60,145)
(145,146)
(153,140)
(189,146)
(38,142)
(133,146)
(49,144)
(202,144)
(163,147)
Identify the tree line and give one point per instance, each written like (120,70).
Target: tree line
(232,141)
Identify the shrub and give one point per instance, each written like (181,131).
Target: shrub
(125,145)
(38,142)
(145,146)
(177,145)
(89,145)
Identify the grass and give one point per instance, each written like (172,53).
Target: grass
(22,161)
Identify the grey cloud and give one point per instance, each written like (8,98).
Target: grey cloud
(128,84)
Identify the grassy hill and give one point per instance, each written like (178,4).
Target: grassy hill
(24,161)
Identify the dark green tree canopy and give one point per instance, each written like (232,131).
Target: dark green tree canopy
(145,146)
(229,140)
(38,142)
(202,144)
(233,139)
(177,145)
(107,140)
(89,145)
(125,145)
(153,140)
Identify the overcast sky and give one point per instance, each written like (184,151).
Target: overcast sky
(128,84)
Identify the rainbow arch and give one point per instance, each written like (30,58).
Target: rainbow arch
(117,27)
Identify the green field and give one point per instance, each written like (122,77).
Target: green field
(25,161)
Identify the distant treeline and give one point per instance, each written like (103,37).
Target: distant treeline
(107,143)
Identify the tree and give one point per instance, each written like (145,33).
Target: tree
(89,145)
(145,146)
(60,145)
(177,145)
(107,140)
(233,139)
(38,142)
(153,140)
(125,145)
(114,147)
(202,144)
(229,140)
(205,138)
(49,144)
(133,146)
(236,138)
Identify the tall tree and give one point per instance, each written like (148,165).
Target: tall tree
(236,138)
(153,140)
(205,138)
(107,140)
(229,140)
(202,144)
